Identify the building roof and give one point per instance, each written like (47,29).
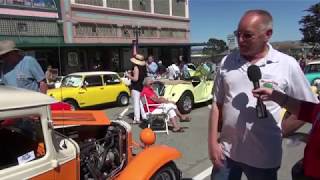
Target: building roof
(93,73)
(16,98)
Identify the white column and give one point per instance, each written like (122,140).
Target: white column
(152,6)
(104,3)
(170,7)
(72,1)
(130,5)
(187,8)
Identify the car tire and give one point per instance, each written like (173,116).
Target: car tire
(185,103)
(74,105)
(123,99)
(167,172)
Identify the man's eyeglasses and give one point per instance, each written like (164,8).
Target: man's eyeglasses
(244,35)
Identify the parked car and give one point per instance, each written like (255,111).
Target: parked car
(39,144)
(85,89)
(187,93)
(312,72)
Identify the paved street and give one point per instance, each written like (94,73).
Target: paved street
(193,145)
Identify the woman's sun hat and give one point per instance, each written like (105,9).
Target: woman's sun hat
(138,59)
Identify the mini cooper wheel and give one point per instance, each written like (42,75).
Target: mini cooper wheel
(123,99)
(74,105)
(167,172)
(185,102)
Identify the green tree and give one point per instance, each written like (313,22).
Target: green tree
(214,47)
(311,25)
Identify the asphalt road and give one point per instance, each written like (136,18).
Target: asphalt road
(192,143)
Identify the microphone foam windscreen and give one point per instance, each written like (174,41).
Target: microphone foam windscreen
(254,73)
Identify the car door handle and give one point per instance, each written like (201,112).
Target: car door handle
(101,88)
(81,92)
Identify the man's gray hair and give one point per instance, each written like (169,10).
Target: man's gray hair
(146,79)
(265,16)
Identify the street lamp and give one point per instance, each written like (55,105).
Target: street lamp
(135,42)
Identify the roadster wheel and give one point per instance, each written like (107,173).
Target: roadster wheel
(185,102)
(167,172)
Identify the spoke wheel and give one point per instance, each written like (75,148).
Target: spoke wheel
(185,102)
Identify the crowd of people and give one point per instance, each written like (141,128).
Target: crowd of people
(305,59)
(142,75)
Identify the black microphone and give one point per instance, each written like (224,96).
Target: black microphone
(254,75)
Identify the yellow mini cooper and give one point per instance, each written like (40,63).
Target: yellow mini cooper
(84,89)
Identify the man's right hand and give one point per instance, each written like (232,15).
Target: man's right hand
(216,155)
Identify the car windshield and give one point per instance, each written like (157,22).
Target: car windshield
(71,81)
(312,68)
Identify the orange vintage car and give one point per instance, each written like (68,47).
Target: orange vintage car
(65,145)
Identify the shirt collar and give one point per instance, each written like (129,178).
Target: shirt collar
(268,59)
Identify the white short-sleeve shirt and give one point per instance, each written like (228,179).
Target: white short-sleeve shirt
(244,137)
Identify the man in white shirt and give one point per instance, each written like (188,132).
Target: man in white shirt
(152,67)
(248,144)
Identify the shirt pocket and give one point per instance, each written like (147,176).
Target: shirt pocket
(276,82)
(23,80)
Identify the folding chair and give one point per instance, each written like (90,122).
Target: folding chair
(153,116)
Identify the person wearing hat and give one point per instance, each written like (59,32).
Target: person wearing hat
(138,73)
(19,70)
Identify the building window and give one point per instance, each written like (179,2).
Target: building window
(166,33)
(161,7)
(179,33)
(173,33)
(50,4)
(86,30)
(148,31)
(141,5)
(99,30)
(179,8)
(107,30)
(44,3)
(127,31)
(120,4)
(90,2)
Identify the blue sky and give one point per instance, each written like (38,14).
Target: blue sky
(218,18)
